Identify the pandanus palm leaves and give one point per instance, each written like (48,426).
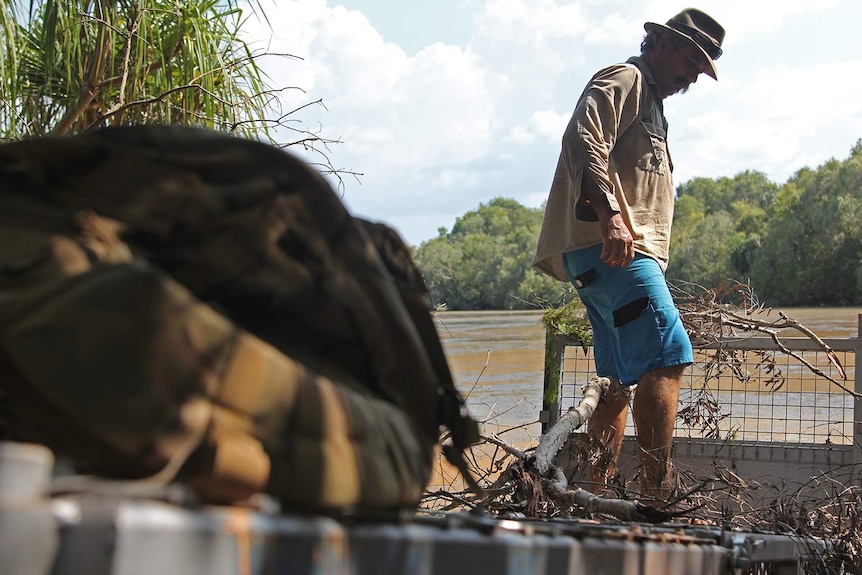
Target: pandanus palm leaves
(72,65)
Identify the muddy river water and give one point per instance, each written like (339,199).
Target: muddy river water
(497,360)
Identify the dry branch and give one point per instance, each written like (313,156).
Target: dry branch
(536,486)
(505,446)
(556,437)
(623,509)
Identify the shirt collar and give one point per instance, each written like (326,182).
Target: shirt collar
(644,68)
(647,75)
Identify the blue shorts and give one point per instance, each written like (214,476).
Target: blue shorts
(636,327)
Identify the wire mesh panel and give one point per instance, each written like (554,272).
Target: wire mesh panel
(751,390)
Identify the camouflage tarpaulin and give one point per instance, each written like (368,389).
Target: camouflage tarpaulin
(174,296)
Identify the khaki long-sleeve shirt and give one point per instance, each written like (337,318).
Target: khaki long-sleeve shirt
(618,137)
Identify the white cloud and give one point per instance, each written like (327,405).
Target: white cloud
(394,113)
(744,19)
(441,129)
(741,19)
(550,124)
(778,122)
(521,136)
(545,125)
(531,21)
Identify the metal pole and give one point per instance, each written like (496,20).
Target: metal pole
(554,349)
(857,402)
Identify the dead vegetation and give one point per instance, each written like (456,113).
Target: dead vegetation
(534,480)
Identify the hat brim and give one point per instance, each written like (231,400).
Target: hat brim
(712,72)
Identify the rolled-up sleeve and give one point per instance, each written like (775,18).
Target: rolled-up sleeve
(607,108)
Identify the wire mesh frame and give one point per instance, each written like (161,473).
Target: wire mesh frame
(747,389)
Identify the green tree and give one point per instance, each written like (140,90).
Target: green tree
(703,256)
(813,243)
(717,227)
(73,65)
(798,244)
(485,261)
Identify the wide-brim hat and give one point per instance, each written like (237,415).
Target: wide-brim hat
(698,28)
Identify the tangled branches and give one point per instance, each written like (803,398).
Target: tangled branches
(536,486)
(523,481)
(731,311)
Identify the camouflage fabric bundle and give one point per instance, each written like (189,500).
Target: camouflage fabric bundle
(174,301)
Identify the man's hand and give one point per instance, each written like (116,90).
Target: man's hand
(617,242)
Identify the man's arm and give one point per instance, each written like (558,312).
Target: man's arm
(617,240)
(606,110)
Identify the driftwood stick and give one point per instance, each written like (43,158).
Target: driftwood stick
(513,451)
(558,488)
(816,370)
(771,327)
(551,443)
(556,481)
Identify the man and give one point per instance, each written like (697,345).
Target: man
(607,228)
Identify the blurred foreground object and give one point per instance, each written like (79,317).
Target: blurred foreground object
(179,304)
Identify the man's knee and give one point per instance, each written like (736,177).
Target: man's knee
(671,372)
(657,395)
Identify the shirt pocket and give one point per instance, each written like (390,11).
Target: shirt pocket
(654,155)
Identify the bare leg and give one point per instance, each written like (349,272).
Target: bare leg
(606,428)
(654,412)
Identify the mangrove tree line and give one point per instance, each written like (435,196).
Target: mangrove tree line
(798,243)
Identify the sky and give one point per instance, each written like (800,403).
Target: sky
(440,106)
